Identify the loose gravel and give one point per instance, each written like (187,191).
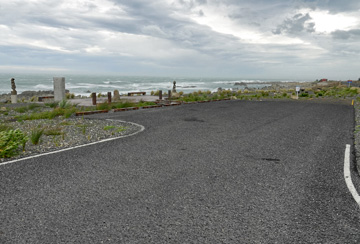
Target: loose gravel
(60,133)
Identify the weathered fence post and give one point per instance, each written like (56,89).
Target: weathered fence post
(93,96)
(109,97)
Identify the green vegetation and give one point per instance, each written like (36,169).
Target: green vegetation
(64,104)
(114,129)
(70,95)
(53,131)
(142,104)
(10,141)
(109,127)
(5,127)
(52,104)
(35,135)
(83,128)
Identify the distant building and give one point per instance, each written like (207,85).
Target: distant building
(323,80)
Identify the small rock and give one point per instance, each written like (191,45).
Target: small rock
(3,109)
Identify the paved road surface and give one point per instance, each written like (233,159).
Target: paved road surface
(224,172)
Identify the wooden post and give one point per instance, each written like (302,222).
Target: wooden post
(93,96)
(109,97)
(160,95)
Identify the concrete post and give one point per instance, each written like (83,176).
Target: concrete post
(160,95)
(169,95)
(59,88)
(109,97)
(14,98)
(93,96)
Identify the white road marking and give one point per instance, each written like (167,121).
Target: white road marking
(347,175)
(84,145)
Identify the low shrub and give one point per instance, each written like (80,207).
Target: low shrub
(10,141)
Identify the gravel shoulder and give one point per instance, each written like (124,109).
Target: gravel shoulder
(60,133)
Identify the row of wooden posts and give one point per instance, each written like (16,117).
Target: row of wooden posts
(93,96)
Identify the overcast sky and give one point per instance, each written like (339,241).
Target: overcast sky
(280,39)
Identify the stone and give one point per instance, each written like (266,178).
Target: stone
(13,87)
(175,94)
(3,109)
(4,101)
(59,88)
(174,87)
(14,98)
(116,96)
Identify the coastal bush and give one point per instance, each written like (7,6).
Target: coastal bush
(10,141)
(264,93)
(70,95)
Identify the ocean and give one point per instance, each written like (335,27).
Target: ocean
(85,84)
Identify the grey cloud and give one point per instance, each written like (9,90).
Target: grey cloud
(345,35)
(298,23)
(334,6)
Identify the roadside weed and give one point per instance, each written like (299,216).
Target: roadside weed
(35,135)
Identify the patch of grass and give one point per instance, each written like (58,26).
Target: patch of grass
(65,123)
(47,114)
(109,127)
(115,129)
(5,127)
(120,129)
(36,135)
(123,104)
(21,109)
(33,106)
(142,104)
(64,104)
(83,128)
(53,131)
(103,106)
(68,112)
(52,104)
